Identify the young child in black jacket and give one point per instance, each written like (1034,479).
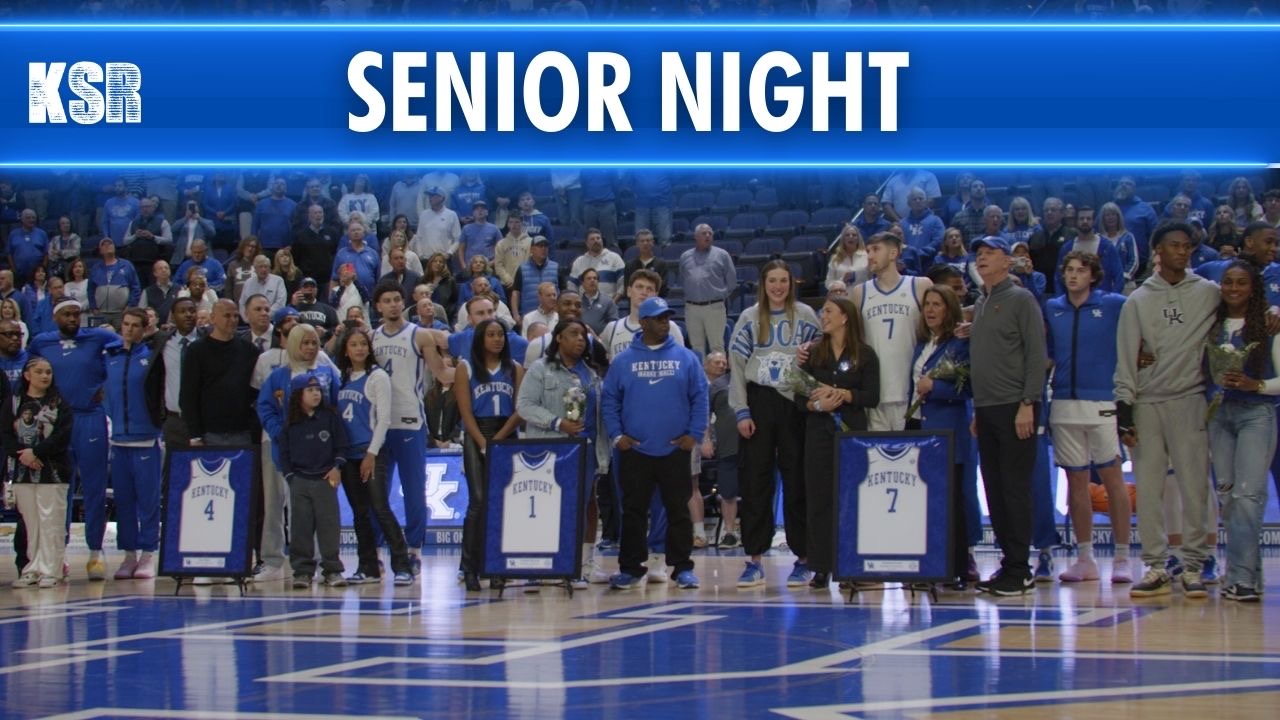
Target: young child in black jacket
(312,450)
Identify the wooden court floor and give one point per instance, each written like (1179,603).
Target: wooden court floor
(132,649)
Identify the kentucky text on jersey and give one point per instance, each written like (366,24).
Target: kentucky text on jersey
(351,396)
(496,388)
(399,350)
(892,477)
(203,490)
(520,487)
(886,309)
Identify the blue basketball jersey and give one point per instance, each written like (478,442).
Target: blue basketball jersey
(356,411)
(494,398)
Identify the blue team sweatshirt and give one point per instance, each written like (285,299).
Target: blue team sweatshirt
(923,233)
(1270,277)
(654,396)
(77,361)
(126,392)
(1082,345)
(118,274)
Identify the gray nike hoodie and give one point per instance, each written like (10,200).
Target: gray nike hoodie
(1172,322)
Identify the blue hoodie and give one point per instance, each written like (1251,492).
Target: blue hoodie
(1082,345)
(126,392)
(923,233)
(655,396)
(1270,277)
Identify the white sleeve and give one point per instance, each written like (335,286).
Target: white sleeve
(378,388)
(1271,385)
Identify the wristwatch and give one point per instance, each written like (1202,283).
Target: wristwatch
(1028,402)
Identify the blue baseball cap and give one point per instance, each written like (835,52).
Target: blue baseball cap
(435,190)
(995,242)
(304,381)
(285,312)
(655,307)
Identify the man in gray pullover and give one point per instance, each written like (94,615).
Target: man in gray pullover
(1007,354)
(1161,408)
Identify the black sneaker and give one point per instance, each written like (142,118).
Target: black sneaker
(1241,593)
(1007,585)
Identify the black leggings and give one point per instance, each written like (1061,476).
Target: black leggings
(476,466)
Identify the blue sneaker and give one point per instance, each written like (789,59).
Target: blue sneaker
(623,581)
(800,575)
(1044,567)
(402,579)
(1173,566)
(752,575)
(686,580)
(607,545)
(1209,572)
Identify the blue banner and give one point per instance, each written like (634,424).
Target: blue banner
(534,510)
(447,498)
(501,95)
(208,509)
(893,506)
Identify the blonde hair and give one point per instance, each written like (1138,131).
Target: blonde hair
(1016,203)
(840,255)
(293,346)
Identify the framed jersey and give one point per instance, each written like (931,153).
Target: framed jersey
(208,509)
(893,506)
(534,515)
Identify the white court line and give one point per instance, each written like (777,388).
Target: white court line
(360,640)
(212,714)
(850,710)
(827,664)
(1087,655)
(69,613)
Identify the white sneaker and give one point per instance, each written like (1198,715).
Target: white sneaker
(657,568)
(270,574)
(595,574)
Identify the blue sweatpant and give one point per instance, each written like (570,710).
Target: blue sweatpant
(406,453)
(89,463)
(135,477)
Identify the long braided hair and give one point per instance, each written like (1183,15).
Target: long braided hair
(1255,318)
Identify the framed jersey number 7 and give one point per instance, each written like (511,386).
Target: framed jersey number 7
(893,500)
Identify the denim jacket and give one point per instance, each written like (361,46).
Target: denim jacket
(541,403)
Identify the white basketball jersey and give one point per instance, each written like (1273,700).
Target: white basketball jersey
(400,356)
(889,321)
(619,334)
(892,500)
(208,508)
(531,507)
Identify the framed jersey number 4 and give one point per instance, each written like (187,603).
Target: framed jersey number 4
(208,508)
(893,505)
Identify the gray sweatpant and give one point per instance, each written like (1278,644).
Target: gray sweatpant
(1172,433)
(315,520)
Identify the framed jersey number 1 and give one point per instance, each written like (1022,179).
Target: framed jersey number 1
(208,508)
(893,506)
(534,513)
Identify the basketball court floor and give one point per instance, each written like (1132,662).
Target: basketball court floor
(133,649)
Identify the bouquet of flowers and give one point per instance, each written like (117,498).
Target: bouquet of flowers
(946,369)
(801,383)
(1224,358)
(575,402)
